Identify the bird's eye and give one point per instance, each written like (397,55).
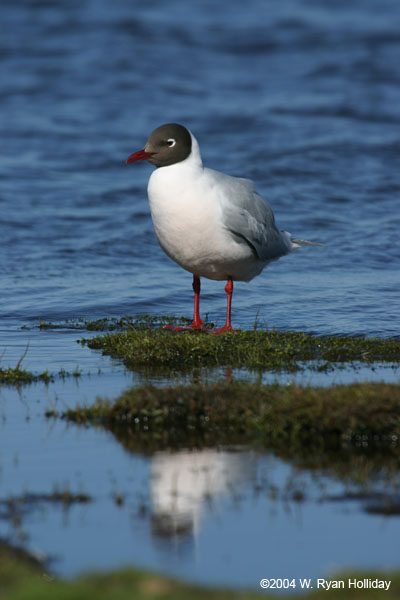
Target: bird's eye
(171,142)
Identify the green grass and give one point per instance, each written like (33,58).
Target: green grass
(17,376)
(22,577)
(277,415)
(142,342)
(350,433)
(272,350)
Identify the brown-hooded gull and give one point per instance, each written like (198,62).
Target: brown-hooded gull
(211,224)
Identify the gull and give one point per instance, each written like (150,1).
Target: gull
(211,224)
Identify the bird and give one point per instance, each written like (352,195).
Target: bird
(212,224)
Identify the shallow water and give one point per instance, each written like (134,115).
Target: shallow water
(215,515)
(302,97)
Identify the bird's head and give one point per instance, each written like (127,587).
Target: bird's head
(167,145)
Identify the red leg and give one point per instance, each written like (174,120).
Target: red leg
(229,292)
(197,322)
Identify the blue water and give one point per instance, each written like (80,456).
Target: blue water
(301,96)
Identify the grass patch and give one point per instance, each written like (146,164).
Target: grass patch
(16,376)
(22,577)
(348,432)
(272,350)
(279,416)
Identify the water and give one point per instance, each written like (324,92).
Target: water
(303,97)
(215,515)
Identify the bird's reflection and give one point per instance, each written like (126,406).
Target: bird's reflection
(182,483)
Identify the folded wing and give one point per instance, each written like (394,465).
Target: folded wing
(249,218)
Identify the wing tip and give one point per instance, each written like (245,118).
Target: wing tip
(306,243)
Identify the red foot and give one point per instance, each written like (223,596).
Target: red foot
(195,325)
(227,326)
(197,322)
(223,329)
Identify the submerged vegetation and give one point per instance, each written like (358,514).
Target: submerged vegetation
(14,508)
(27,501)
(126,323)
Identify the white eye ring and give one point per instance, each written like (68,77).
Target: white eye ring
(171,142)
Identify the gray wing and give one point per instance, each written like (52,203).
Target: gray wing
(249,217)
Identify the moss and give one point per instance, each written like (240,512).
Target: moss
(263,349)
(279,416)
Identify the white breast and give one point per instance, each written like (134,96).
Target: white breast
(186,210)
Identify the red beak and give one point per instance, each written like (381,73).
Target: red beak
(141,155)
